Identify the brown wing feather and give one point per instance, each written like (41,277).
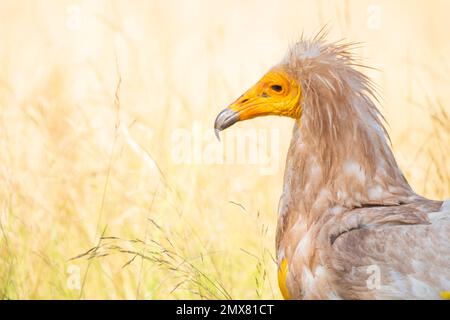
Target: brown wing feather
(399,246)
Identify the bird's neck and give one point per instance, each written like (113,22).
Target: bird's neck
(330,177)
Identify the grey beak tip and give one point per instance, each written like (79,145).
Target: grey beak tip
(216,132)
(225,119)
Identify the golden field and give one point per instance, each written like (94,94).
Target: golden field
(111,182)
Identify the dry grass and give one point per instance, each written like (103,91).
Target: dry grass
(90,193)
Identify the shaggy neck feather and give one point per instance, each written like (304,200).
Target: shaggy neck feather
(341,159)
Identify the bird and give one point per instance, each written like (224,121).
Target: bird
(349,224)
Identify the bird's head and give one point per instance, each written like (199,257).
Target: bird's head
(276,93)
(317,84)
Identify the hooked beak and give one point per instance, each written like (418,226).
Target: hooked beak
(250,105)
(225,119)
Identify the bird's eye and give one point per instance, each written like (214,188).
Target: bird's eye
(276,87)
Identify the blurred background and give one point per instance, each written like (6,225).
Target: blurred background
(108,186)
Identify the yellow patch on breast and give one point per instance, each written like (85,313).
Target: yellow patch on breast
(445,295)
(282,275)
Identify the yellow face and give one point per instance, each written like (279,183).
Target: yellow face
(275,94)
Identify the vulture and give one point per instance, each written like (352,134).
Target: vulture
(349,225)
